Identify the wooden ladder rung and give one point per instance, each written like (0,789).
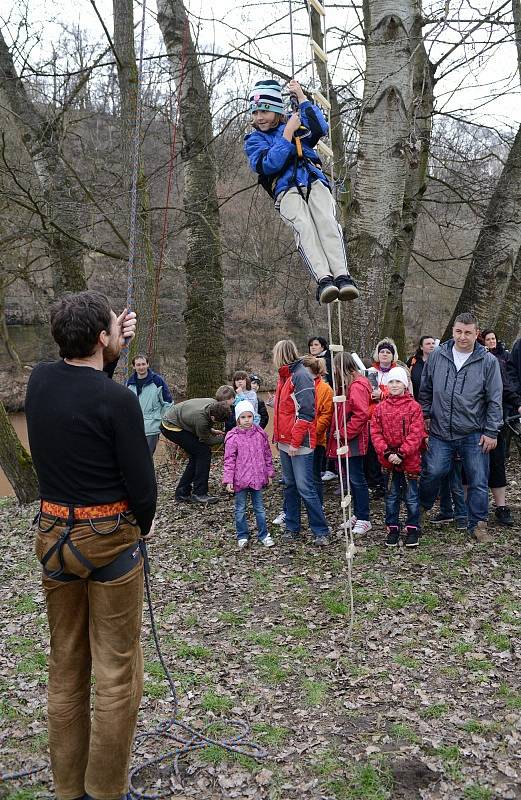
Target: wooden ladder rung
(336,348)
(325,149)
(318,7)
(322,55)
(320,100)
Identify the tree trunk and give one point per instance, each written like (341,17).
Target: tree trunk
(508,324)
(204,314)
(16,462)
(497,248)
(143,268)
(392,28)
(415,186)
(59,209)
(494,270)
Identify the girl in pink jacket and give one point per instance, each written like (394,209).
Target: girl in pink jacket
(248,468)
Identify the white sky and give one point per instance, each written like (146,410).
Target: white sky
(470,90)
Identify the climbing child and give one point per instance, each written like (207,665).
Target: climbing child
(290,170)
(398,435)
(248,468)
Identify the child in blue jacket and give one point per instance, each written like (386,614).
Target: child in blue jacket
(290,171)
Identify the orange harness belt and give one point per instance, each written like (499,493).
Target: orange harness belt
(84,512)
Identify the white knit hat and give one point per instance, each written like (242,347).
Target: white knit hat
(398,374)
(242,406)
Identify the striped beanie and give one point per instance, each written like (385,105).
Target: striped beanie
(266,96)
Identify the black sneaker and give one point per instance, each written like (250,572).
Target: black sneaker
(326,291)
(204,499)
(413,536)
(393,536)
(292,536)
(443,519)
(503,516)
(347,289)
(183,498)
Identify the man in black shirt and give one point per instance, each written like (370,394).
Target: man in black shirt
(98,497)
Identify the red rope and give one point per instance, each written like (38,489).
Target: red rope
(164,232)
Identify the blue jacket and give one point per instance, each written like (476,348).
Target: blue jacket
(468,401)
(154,398)
(274,159)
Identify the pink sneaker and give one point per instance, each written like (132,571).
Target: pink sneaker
(362,526)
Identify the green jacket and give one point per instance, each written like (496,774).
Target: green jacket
(153,406)
(193,416)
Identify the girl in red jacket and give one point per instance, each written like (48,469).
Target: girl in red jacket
(354,412)
(398,436)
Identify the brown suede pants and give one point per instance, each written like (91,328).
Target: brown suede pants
(94,627)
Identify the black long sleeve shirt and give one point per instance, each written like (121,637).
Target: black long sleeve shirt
(87,440)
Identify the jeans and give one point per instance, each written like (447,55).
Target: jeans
(152,441)
(241,523)
(452,496)
(94,628)
(297,473)
(373,471)
(397,483)
(359,489)
(197,471)
(318,462)
(438,463)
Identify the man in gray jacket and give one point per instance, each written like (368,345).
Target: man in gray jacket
(461,396)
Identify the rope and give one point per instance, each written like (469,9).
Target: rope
(343,453)
(184,737)
(164,232)
(136,139)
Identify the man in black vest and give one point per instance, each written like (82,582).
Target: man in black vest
(98,498)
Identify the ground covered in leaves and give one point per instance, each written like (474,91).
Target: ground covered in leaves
(423,701)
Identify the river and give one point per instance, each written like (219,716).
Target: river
(20,426)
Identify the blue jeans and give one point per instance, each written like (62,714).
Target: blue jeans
(452,496)
(299,484)
(359,488)
(318,462)
(241,523)
(438,463)
(395,484)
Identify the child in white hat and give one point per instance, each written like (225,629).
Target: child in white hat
(248,468)
(398,435)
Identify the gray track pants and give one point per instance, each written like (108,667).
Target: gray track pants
(317,233)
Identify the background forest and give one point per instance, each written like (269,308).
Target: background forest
(427,174)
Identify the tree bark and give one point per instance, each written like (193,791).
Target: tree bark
(143,270)
(508,324)
(16,462)
(415,187)
(204,314)
(392,28)
(59,210)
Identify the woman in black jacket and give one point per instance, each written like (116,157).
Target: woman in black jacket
(416,362)
(497,479)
